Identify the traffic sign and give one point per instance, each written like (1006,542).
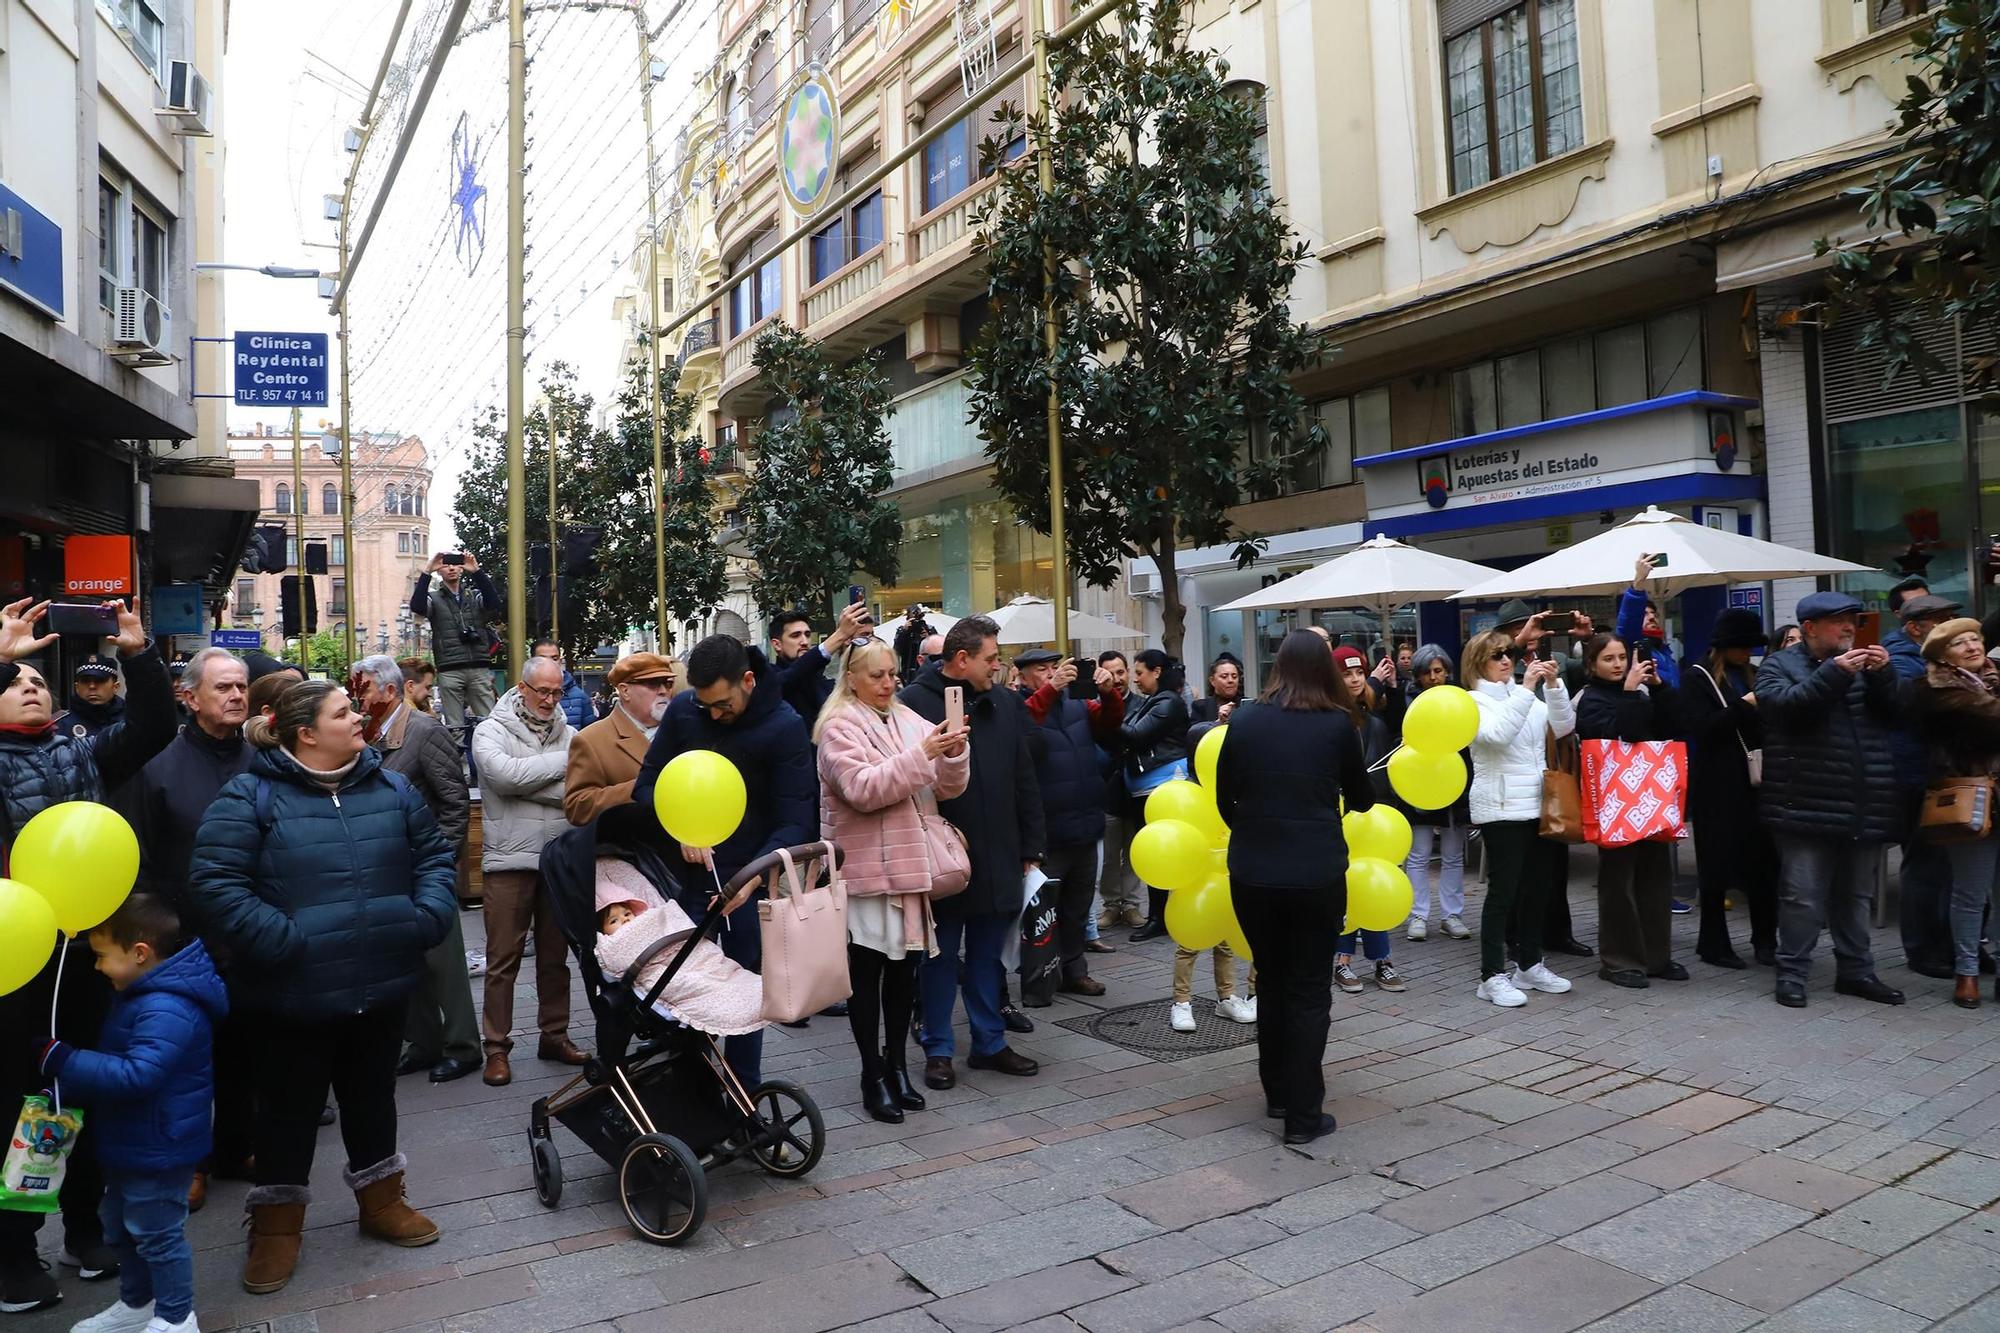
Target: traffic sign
(244,640)
(281,369)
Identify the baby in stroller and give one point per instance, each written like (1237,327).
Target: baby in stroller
(710,993)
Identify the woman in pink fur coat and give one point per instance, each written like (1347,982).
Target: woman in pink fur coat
(879,766)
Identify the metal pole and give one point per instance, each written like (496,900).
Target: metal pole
(555,575)
(299,527)
(1045,169)
(653,346)
(347,472)
(517,332)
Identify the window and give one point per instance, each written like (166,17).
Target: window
(292,552)
(408,501)
(822,26)
(848,237)
(283,502)
(110,265)
(338,551)
(1354,426)
(1570,376)
(1870,15)
(1673,352)
(140,25)
(760,293)
(948,165)
(856,15)
(132,242)
(149,253)
(339,598)
(402,543)
(952,161)
(763,79)
(1475,406)
(1253,95)
(1621,365)
(389,498)
(246,599)
(329,499)
(1519,382)
(1513,86)
(416,543)
(420,504)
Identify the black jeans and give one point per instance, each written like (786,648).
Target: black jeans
(1291,931)
(237,1056)
(1519,872)
(1074,867)
(1735,854)
(298,1062)
(1924,893)
(24,1026)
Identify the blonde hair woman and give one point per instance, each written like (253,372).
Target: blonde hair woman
(881,769)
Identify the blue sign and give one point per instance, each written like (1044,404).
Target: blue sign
(281,370)
(243,640)
(34,269)
(177,608)
(1747,599)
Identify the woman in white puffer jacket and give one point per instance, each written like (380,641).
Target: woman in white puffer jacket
(1508,757)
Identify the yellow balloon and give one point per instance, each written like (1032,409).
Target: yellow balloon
(27,934)
(1171,854)
(1184,800)
(1200,919)
(1427,779)
(1238,942)
(1379,896)
(1441,719)
(1206,752)
(1380,832)
(700,798)
(81,856)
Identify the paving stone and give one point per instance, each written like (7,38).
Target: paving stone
(823,1298)
(1571,1120)
(1581,1203)
(948,1265)
(1187,1197)
(902,1321)
(1770,1128)
(1642,1097)
(1332,1201)
(1442,1165)
(1680,1234)
(1571,1161)
(1982,1316)
(1981,1229)
(1504,1104)
(1445,1255)
(1317,1304)
(1460,1201)
(1679,1309)
(1802,1184)
(1683,1163)
(1554,1289)
(1159,1257)
(1326,1248)
(1837,1307)
(1172,1302)
(433,1301)
(1961,1177)
(1011,1301)
(571,1308)
(1886,1220)
(1703,1111)
(1782,1271)
(1931,1279)
(1390,1138)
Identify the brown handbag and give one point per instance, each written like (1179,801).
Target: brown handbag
(1957,810)
(1562,789)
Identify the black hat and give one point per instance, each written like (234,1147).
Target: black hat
(1515,612)
(1738,628)
(95,667)
(1037,656)
(262,664)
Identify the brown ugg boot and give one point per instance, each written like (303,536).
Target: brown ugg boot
(385,1214)
(277,1214)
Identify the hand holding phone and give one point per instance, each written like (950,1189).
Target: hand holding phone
(954,708)
(453,558)
(91,620)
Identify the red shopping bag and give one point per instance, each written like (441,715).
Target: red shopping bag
(1634,791)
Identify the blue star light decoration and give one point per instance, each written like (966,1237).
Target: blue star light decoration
(468,196)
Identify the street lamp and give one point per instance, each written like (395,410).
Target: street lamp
(268,270)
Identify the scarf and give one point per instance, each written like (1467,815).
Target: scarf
(26,732)
(328,778)
(541,728)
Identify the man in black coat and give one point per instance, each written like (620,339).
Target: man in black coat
(736,708)
(801,667)
(1829,792)
(1000,815)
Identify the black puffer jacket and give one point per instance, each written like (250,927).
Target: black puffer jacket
(1154,731)
(1829,761)
(166,802)
(1607,712)
(1001,810)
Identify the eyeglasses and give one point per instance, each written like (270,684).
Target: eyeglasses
(721,708)
(653,683)
(544,693)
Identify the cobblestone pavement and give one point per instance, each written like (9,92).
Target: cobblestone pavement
(1689,1157)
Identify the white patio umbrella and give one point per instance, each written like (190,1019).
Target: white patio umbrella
(1696,557)
(1033,620)
(1379,575)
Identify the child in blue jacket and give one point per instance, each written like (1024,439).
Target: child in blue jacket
(148,1088)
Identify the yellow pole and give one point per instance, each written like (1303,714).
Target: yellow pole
(555,576)
(653,343)
(299,527)
(1045,169)
(517,335)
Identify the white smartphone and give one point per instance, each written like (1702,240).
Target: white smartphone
(954,707)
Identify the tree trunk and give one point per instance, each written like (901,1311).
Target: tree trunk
(1173,615)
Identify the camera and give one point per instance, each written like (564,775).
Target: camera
(467,634)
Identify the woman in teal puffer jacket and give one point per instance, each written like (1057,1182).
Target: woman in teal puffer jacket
(327,879)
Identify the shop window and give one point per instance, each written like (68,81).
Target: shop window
(329,499)
(840,242)
(282,502)
(1569,378)
(1900,500)
(339,598)
(1673,352)
(1621,365)
(1870,15)
(1513,94)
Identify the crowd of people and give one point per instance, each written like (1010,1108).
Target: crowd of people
(294,944)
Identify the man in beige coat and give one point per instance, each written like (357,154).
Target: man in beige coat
(605,758)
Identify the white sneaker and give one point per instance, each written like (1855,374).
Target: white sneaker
(1455,927)
(1539,978)
(1418,930)
(475,963)
(1238,1009)
(1181,1018)
(1501,991)
(120,1318)
(186,1325)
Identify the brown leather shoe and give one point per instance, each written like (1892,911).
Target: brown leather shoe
(561,1050)
(1131,916)
(274,1245)
(387,1215)
(498,1072)
(938,1073)
(198,1190)
(1965,993)
(1081,986)
(1006,1060)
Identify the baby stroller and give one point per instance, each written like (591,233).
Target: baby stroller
(657,1100)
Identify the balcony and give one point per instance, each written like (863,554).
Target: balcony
(929,429)
(700,337)
(739,355)
(724,459)
(844,289)
(949,223)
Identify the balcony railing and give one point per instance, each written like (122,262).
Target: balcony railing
(723,460)
(737,358)
(929,428)
(700,337)
(942,228)
(845,290)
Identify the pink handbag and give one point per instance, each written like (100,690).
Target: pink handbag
(804,929)
(945,847)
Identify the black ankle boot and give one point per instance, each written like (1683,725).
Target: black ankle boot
(898,1078)
(878,1096)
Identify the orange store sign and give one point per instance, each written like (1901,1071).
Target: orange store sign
(97,566)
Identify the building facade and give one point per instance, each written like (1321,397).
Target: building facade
(110,192)
(392,522)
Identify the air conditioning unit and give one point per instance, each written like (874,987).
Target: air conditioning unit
(190,101)
(140,335)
